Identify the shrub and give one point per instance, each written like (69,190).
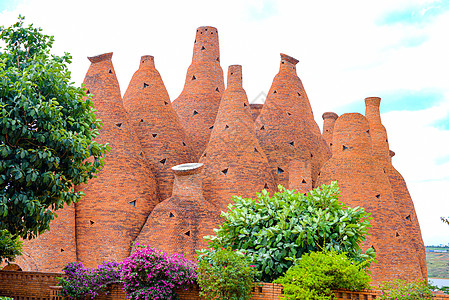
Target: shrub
(316,274)
(274,231)
(401,290)
(82,283)
(153,275)
(10,246)
(225,275)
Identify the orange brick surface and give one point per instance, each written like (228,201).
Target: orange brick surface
(197,105)
(158,128)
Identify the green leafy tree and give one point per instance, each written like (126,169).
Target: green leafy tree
(275,231)
(317,274)
(47,129)
(10,246)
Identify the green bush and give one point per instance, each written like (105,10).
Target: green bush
(10,246)
(225,275)
(316,274)
(401,290)
(276,230)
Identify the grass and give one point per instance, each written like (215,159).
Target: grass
(437,263)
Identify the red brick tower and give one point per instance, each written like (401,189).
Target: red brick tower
(255,110)
(234,161)
(119,200)
(197,106)
(54,249)
(329,119)
(158,128)
(285,127)
(400,192)
(178,224)
(363,183)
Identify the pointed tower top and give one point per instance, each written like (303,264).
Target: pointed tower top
(147,61)
(206,46)
(235,76)
(330,115)
(287,58)
(101,57)
(374,101)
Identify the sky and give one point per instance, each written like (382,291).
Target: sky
(348,50)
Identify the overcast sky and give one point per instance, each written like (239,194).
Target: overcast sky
(348,50)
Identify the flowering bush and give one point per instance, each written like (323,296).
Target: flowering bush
(225,274)
(82,283)
(401,290)
(149,274)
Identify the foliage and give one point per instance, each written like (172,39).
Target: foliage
(401,290)
(274,231)
(82,283)
(316,274)
(225,275)
(47,129)
(5,298)
(10,246)
(150,274)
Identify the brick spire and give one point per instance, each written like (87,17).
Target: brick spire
(329,119)
(285,127)
(255,110)
(122,196)
(399,187)
(197,106)
(234,161)
(178,224)
(158,128)
(363,183)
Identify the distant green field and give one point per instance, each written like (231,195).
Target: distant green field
(437,263)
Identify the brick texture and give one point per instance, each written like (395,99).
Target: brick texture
(118,201)
(233,154)
(54,249)
(285,127)
(198,103)
(255,110)
(329,119)
(401,194)
(178,224)
(363,183)
(158,128)
(27,285)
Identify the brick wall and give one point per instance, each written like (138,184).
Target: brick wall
(20,285)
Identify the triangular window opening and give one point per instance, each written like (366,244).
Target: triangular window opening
(133,203)
(397,234)
(212,127)
(145,85)
(195,112)
(255,150)
(193,77)
(303,181)
(141,120)
(275,92)
(91,222)
(378,196)
(311,154)
(165,102)
(288,113)
(110,71)
(88,92)
(299,94)
(292,143)
(184,144)
(218,59)
(408,218)
(141,153)
(162,161)
(244,104)
(118,125)
(62,250)
(280,171)
(154,135)
(225,171)
(226,127)
(344,147)
(187,233)
(217,89)
(171,215)
(265,186)
(262,128)
(202,48)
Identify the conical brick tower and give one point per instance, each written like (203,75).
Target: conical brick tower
(197,106)
(363,183)
(158,128)
(54,249)
(178,224)
(285,127)
(400,192)
(119,200)
(234,161)
(329,119)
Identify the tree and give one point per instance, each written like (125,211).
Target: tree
(276,231)
(47,129)
(10,246)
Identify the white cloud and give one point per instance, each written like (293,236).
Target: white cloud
(345,56)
